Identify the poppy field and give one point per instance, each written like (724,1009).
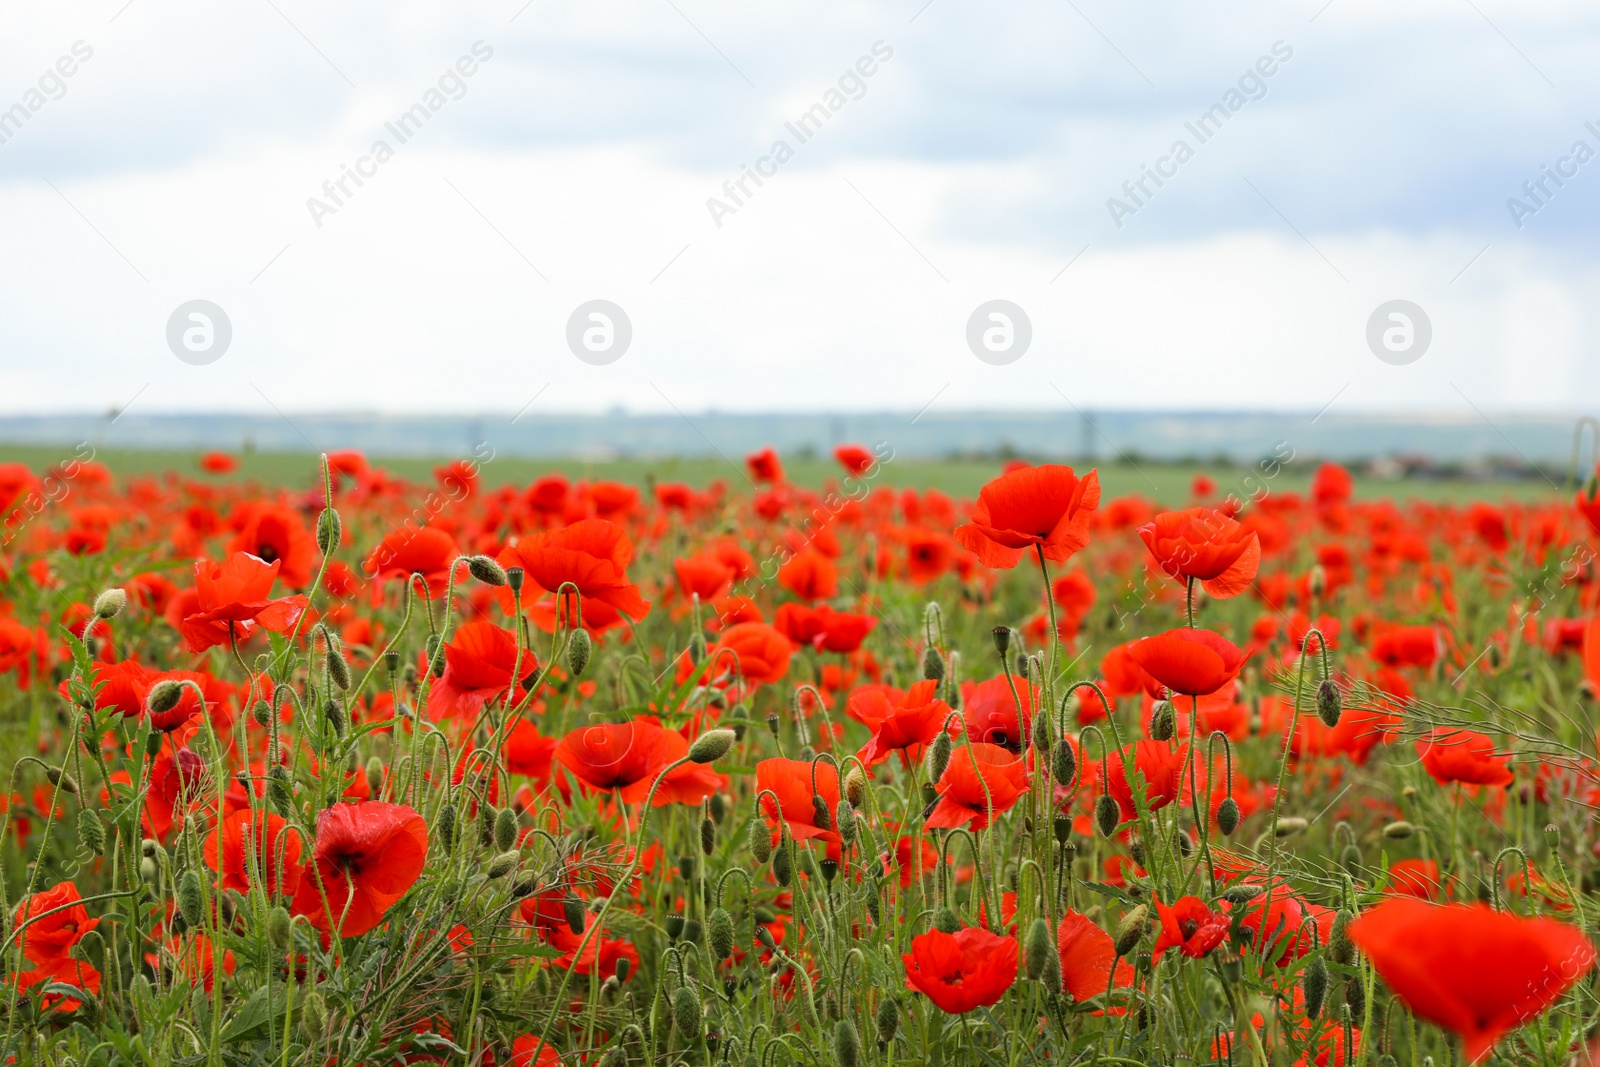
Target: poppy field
(382,770)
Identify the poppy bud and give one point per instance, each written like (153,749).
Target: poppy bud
(434,656)
(313,1016)
(846,1044)
(329,530)
(1163,721)
(624,968)
(845,820)
(505,829)
(336,718)
(686,1013)
(1063,765)
(1136,850)
(1318,580)
(711,746)
(1355,996)
(447,824)
(945,921)
(760,841)
(686,864)
(1552,835)
(1340,947)
(855,787)
(1002,640)
(1130,931)
(1329,705)
(1106,815)
(782,867)
(262,713)
(280,928)
(59,777)
(719,807)
(580,650)
(932,665)
(338,666)
(91,830)
(109,604)
(374,771)
(720,929)
(1288,827)
(939,756)
(503,864)
(819,813)
(191,899)
(1315,987)
(163,696)
(692,931)
(148,871)
(1041,733)
(1038,947)
(1228,816)
(486,570)
(1352,860)
(1242,894)
(888,1019)
(1062,826)
(280,791)
(708,835)
(1399,830)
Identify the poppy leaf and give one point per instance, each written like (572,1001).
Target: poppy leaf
(1108,891)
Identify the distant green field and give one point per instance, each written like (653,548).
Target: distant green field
(1165,482)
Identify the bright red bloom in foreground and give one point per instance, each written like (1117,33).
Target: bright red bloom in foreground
(1188,660)
(903,722)
(1476,972)
(269,847)
(1206,545)
(592,554)
(427,551)
(234,597)
(479,659)
(625,756)
(1190,926)
(1031,509)
(368,854)
(968,969)
(962,798)
(1453,755)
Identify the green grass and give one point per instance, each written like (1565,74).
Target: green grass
(1165,482)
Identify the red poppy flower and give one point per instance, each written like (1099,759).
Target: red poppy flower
(123,686)
(704,576)
(1189,926)
(1415,878)
(1407,646)
(529,752)
(855,459)
(478,661)
(1088,956)
(269,847)
(1159,763)
(218,463)
(233,599)
(1206,545)
(528,1051)
(592,554)
(968,969)
(796,783)
(823,628)
(1477,972)
(425,550)
(810,576)
(764,466)
(274,533)
(51,938)
(1030,509)
(1453,755)
(627,757)
(761,652)
(962,796)
(1189,660)
(901,722)
(989,711)
(368,854)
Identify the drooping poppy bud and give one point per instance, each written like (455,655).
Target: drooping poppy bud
(191,900)
(505,829)
(1064,765)
(1106,815)
(1329,704)
(163,696)
(1163,721)
(1399,830)
(782,867)
(1315,987)
(579,651)
(1131,930)
(888,1019)
(503,864)
(760,842)
(939,756)
(91,830)
(1037,949)
(1340,947)
(720,928)
(932,665)
(686,1013)
(945,920)
(280,928)
(1228,816)
(846,1044)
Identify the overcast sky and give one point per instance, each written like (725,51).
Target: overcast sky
(1356,152)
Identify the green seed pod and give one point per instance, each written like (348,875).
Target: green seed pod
(447,825)
(1163,721)
(1106,815)
(1355,995)
(1329,704)
(1399,830)
(686,1013)
(329,530)
(1062,828)
(280,928)
(1063,765)
(434,656)
(845,820)
(945,921)
(375,776)
(486,570)
(163,696)
(782,866)
(1340,947)
(686,866)
(91,831)
(1552,836)
(939,756)
(1002,640)
(503,864)
(708,835)
(1130,931)
(1242,894)
(505,829)
(819,813)
(191,898)
(313,1013)
(109,604)
(262,713)
(760,841)
(1315,987)
(720,927)
(846,1044)
(624,968)
(1037,948)
(59,777)
(338,666)
(576,915)
(580,650)
(932,665)
(1041,733)
(888,1019)
(280,789)
(1228,816)
(711,746)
